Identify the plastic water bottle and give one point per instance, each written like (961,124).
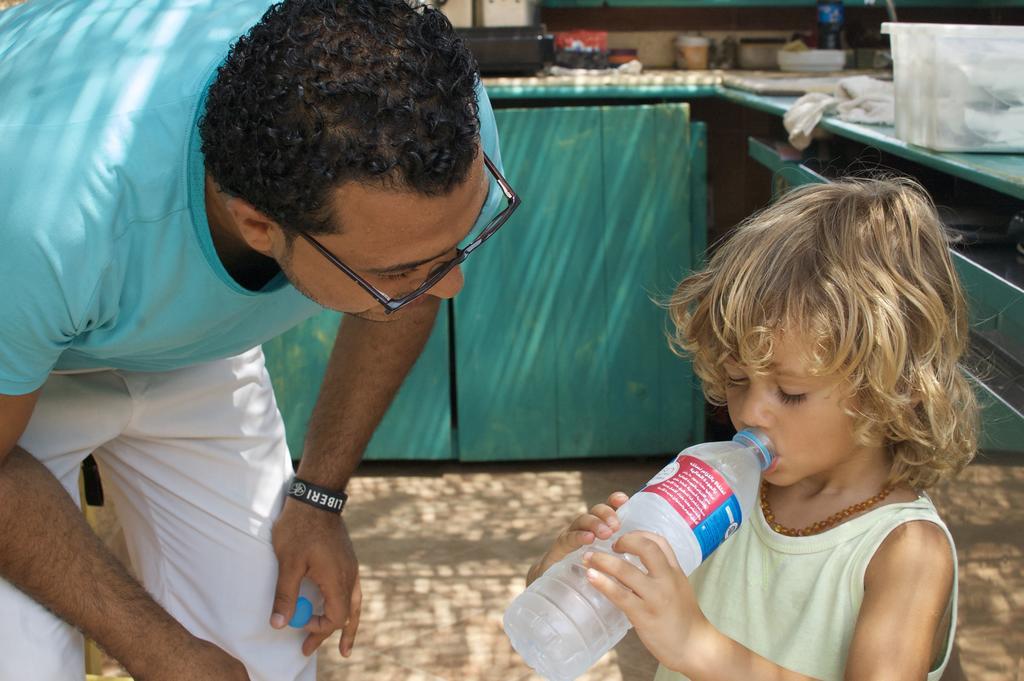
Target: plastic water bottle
(561,625)
(830,24)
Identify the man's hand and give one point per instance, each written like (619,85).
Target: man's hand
(49,553)
(600,522)
(314,544)
(368,364)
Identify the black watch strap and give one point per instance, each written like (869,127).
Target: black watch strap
(322,498)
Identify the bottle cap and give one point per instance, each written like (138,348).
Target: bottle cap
(756,438)
(303,613)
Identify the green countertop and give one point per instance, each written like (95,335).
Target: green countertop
(1001,172)
(647,85)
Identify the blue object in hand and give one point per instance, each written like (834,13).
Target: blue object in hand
(303,612)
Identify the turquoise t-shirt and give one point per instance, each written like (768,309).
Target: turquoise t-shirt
(106,258)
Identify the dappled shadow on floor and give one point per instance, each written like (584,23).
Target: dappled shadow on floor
(984,509)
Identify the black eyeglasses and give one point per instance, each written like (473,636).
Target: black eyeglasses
(438,273)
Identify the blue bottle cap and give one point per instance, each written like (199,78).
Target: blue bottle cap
(757,438)
(303,613)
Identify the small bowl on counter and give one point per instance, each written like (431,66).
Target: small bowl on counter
(758,53)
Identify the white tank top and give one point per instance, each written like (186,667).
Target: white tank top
(795,600)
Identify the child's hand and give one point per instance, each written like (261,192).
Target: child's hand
(598,523)
(660,604)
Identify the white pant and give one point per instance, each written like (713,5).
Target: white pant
(196,464)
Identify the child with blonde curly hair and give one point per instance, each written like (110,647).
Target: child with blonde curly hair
(833,321)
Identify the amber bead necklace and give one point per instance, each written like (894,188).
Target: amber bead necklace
(821,525)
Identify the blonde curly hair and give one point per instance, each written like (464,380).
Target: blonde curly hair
(861,269)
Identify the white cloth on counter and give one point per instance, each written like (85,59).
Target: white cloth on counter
(632,67)
(858,99)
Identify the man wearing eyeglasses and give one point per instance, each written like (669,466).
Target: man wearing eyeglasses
(167,205)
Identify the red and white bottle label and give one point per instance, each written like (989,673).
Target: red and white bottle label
(702,497)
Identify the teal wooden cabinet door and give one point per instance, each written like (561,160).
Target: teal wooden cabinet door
(559,349)
(416,426)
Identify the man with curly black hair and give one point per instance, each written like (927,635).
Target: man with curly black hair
(173,196)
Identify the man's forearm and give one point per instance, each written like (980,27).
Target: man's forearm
(367,366)
(50,553)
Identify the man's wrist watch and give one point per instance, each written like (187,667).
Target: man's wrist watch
(314,495)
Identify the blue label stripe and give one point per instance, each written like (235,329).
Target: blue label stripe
(718,526)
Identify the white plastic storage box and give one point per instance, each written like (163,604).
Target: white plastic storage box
(959,88)
(507,12)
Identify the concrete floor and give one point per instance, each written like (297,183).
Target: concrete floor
(443,548)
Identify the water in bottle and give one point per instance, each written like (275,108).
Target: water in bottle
(561,625)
